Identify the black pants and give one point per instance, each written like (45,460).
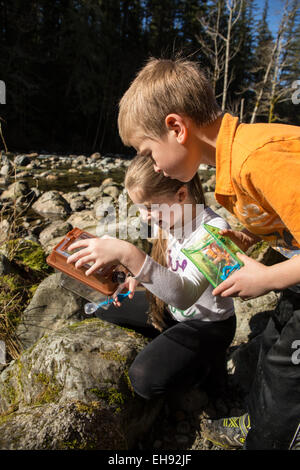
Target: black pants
(185,353)
(274,399)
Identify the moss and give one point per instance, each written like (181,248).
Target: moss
(258,248)
(112,396)
(88,408)
(113,355)
(50,389)
(8,415)
(75,444)
(128,382)
(8,390)
(27,253)
(82,323)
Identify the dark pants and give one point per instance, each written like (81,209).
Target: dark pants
(274,399)
(184,353)
(188,353)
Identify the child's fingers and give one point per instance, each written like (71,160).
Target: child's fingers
(93,268)
(84,260)
(79,254)
(132,285)
(79,244)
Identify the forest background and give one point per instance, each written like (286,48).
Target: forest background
(66,63)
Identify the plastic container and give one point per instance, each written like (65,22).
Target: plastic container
(214,255)
(103,281)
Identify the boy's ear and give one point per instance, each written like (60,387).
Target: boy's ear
(175,123)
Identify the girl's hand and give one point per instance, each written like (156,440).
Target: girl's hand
(130,285)
(243,239)
(102,252)
(250,281)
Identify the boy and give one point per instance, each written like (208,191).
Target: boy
(170,113)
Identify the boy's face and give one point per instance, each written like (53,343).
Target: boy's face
(174,159)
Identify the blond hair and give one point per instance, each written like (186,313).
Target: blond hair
(165,86)
(141,176)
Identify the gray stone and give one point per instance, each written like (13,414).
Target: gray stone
(85,220)
(22,160)
(71,391)
(52,234)
(51,308)
(253,315)
(15,190)
(52,202)
(78,202)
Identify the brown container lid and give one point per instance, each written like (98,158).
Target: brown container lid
(104,281)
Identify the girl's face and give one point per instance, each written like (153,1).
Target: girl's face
(166,211)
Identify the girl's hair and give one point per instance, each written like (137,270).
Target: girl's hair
(165,86)
(141,177)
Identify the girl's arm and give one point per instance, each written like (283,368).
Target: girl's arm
(174,289)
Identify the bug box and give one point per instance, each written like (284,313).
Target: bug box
(214,255)
(100,282)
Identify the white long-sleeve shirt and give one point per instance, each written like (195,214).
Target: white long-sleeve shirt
(181,285)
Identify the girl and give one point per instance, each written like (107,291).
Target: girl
(194,328)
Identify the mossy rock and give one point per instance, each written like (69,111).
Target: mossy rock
(83,369)
(28,254)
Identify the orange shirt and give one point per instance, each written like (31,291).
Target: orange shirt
(258,180)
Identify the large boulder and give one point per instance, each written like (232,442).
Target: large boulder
(51,308)
(53,203)
(71,391)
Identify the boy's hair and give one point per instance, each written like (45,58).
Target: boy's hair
(165,86)
(141,176)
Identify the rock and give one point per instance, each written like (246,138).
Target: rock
(230,218)
(78,202)
(210,184)
(263,253)
(112,191)
(85,220)
(7,167)
(71,391)
(51,202)
(211,200)
(253,315)
(4,230)
(15,190)
(51,308)
(22,160)
(52,234)
(96,156)
(93,194)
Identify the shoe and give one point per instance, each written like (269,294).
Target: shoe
(229,433)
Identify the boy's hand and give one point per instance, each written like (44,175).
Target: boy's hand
(130,285)
(248,282)
(243,239)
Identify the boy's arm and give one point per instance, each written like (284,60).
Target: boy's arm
(277,189)
(254,279)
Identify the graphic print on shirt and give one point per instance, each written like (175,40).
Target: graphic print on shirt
(278,236)
(174,267)
(177,264)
